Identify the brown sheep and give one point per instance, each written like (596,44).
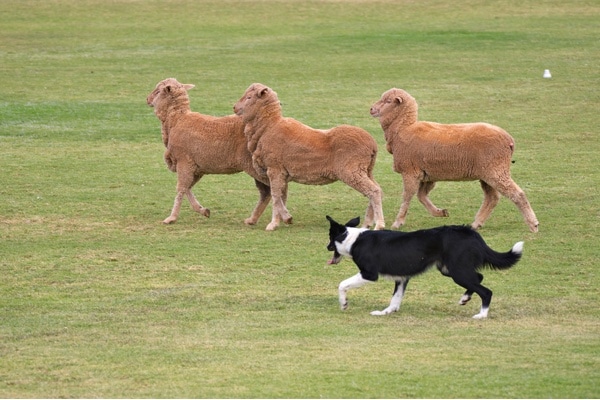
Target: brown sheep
(427,152)
(197,145)
(285,150)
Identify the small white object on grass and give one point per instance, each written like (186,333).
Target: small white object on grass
(547,73)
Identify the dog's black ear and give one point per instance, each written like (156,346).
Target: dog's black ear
(353,223)
(332,222)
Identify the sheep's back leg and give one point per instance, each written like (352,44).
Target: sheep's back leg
(423,196)
(263,200)
(510,189)
(411,185)
(196,205)
(490,200)
(185,182)
(175,210)
(366,185)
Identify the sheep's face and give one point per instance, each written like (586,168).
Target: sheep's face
(255,97)
(392,101)
(167,89)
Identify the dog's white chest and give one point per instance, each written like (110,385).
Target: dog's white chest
(344,247)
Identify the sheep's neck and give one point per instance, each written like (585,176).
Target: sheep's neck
(173,109)
(256,126)
(170,116)
(268,112)
(398,122)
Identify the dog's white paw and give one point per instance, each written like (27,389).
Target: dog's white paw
(464,299)
(387,311)
(482,314)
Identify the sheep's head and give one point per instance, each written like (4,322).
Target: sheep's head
(255,97)
(393,103)
(168,90)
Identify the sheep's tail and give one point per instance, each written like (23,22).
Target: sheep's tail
(495,260)
(170,161)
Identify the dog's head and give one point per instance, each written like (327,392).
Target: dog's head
(337,233)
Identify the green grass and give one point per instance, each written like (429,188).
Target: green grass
(99,299)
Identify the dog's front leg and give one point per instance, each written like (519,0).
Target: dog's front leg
(355,281)
(394,306)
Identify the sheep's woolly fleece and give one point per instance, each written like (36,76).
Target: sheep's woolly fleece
(197,145)
(284,150)
(427,152)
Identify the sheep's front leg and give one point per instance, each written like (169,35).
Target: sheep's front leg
(279,194)
(355,281)
(423,196)
(411,185)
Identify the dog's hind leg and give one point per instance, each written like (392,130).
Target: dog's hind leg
(467,296)
(355,281)
(471,283)
(394,306)
(486,298)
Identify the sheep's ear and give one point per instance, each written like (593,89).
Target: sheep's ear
(263,92)
(398,100)
(188,86)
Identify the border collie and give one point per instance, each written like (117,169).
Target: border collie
(457,251)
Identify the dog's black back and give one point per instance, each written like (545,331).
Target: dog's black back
(450,248)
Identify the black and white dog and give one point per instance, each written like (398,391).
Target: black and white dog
(457,251)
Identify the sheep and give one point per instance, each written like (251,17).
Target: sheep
(427,152)
(197,145)
(284,150)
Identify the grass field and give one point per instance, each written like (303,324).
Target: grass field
(99,299)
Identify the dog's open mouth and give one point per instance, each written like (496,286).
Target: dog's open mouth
(335,259)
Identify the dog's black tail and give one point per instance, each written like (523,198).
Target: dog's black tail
(496,260)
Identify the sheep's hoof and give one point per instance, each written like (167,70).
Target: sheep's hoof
(444,213)
(397,225)
(169,220)
(205,212)
(534,228)
(272,226)
(250,221)
(288,221)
